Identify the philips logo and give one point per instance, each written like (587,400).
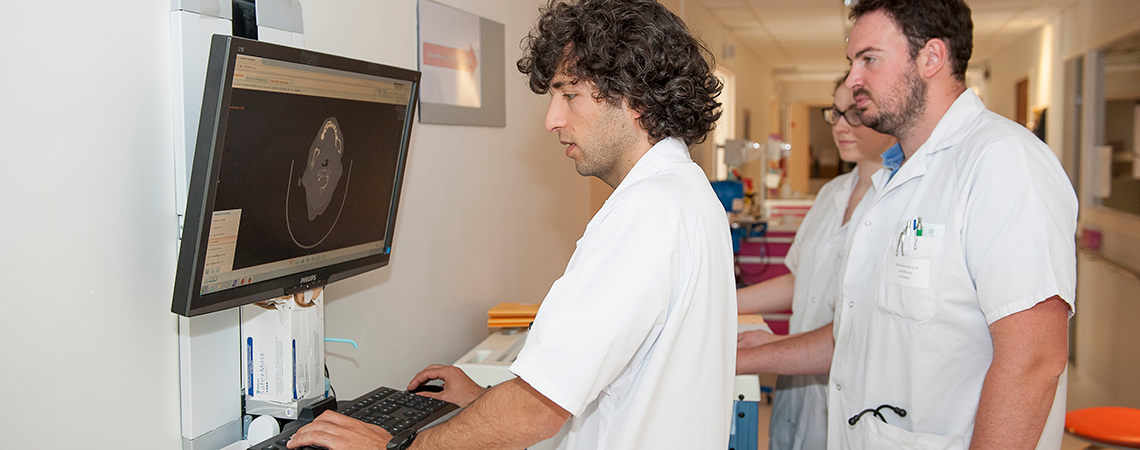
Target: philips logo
(309,279)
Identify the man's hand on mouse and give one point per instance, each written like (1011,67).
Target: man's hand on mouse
(458,388)
(336,431)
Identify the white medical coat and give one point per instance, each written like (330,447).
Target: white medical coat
(637,340)
(799,406)
(912,323)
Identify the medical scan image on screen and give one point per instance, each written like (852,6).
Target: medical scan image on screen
(322,174)
(324,168)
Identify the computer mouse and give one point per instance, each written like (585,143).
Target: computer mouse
(427,388)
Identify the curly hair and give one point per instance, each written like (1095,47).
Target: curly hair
(632,50)
(921,21)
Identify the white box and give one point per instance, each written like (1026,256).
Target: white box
(489,362)
(282,348)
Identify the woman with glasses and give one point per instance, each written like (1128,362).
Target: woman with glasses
(799,406)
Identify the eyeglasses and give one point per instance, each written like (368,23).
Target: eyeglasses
(831,116)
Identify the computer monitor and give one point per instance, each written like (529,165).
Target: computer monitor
(297,171)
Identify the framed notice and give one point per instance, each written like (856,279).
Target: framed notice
(461,56)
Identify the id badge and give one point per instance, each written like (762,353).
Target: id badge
(910,272)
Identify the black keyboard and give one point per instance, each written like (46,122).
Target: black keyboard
(391,409)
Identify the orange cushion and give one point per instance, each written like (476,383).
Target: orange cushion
(1111,425)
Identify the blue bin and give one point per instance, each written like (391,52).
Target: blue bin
(727,191)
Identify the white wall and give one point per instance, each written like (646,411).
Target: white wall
(1108,309)
(1017,62)
(88,246)
(1037,57)
(812,91)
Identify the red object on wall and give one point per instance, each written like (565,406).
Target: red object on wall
(1090,239)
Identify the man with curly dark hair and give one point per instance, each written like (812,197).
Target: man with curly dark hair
(635,53)
(634,346)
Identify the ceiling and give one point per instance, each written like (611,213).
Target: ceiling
(806,39)
(1123,55)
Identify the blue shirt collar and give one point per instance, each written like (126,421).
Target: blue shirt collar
(893,159)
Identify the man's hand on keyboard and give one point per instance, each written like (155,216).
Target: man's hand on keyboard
(458,388)
(339,432)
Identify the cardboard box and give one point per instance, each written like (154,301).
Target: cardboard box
(282,348)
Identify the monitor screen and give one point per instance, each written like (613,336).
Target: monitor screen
(297,171)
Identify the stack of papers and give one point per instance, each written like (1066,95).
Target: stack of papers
(512,315)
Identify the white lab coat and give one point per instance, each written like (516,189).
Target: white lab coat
(799,406)
(912,323)
(637,338)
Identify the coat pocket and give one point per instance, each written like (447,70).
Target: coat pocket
(908,287)
(883,436)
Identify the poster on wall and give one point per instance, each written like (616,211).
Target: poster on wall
(449,55)
(461,57)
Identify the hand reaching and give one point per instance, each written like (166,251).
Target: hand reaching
(754,338)
(458,388)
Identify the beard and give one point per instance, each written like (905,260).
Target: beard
(896,116)
(602,149)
